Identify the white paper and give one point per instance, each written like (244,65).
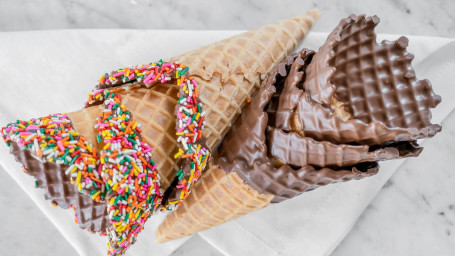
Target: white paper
(52,71)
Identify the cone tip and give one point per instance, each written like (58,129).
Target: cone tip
(307,20)
(160,239)
(312,15)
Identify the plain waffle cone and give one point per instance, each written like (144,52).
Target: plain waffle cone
(229,72)
(219,197)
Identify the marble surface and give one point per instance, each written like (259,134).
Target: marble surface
(23,221)
(414,214)
(411,17)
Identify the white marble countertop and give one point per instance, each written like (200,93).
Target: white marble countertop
(411,17)
(414,214)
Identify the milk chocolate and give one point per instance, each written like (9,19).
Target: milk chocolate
(293,149)
(330,116)
(244,150)
(57,187)
(374,84)
(290,92)
(286,182)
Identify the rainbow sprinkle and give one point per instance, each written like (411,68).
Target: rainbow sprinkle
(122,174)
(193,154)
(147,74)
(132,182)
(53,139)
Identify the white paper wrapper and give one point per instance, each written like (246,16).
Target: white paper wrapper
(52,71)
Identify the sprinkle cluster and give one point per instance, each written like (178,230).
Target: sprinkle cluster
(53,139)
(146,74)
(132,182)
(193,154)
(123,174)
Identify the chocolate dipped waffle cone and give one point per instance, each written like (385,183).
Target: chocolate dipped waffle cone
(268,157)
(244,178)
(297,150)
(228,73)
(368,90)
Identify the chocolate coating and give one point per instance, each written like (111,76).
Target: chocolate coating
(375,84)
(285,182)
(290,92)
(328,117)
(244,150)
(291,148)
(58,188)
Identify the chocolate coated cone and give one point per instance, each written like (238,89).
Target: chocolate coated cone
(371,86)
(219,196)
(245,178)
(309,118)
(58,188)
(296,150)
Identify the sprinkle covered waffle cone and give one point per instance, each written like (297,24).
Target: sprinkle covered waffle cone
(228,73)
(269,156)
(144,113)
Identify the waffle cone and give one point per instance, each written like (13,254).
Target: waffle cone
(370,87)
(219,197)
(60,191)
(84,121)
(228,73)
(231,189)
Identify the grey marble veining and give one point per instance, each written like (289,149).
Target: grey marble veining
(413,17)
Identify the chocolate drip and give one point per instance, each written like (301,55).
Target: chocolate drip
(291,91)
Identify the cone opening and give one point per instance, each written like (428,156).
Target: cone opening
(375,82)
(246,149)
